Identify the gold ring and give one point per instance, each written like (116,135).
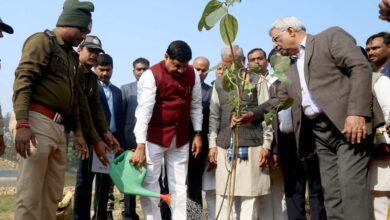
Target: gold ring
(101,157)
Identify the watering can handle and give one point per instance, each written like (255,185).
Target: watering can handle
(143,174)
(119,158)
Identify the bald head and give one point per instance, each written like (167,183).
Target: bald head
(201,65)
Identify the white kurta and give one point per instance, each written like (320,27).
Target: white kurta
(175,157)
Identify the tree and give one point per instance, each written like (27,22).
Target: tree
(234,77)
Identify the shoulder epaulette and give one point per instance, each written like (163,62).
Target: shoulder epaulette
(49,33)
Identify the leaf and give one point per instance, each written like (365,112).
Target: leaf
(213,68)
(255,68)
(270,117)
(288,103)
(210,7)
(231,2)
(280,63)
(214,16)
(249,86)
(226,84)
(281,76)
(230,30)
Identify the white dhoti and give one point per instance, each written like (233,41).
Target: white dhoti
(252,186)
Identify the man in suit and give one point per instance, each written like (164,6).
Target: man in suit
(196,165)
(330,85)
(297,173)
(129,99)
(111,101)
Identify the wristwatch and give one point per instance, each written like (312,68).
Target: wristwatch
(198,132)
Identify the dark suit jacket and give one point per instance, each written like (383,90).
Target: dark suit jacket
(118,110)
(206,96)
(129,97)
(338,77)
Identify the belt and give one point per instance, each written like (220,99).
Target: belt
(55,116)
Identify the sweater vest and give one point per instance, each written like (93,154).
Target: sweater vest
(250,134)
(171,112)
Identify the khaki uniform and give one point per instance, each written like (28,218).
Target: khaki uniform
(45,75)
(93,120)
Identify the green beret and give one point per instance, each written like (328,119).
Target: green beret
(76,14)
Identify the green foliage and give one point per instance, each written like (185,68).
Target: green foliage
(210,7)
(255,68)
(280,65)
(228,28)
(213,68)
(287,104)
(269,117)
(214,16)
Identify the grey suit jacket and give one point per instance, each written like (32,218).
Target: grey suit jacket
(338,77)
(129,96)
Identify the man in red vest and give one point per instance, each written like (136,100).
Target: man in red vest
(169,95)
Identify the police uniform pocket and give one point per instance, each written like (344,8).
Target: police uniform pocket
(58,65)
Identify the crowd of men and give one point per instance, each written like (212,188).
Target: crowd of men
(332,139)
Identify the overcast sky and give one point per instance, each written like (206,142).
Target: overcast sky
(130,29)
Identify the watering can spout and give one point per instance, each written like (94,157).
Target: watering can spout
(129,179)
(166,198)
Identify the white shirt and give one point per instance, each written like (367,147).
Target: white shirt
(382,91)
(309,105)
(146,98)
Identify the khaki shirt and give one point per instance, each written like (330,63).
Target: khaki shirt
(45,75)
(93,120)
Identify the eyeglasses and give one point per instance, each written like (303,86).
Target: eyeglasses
(276,38)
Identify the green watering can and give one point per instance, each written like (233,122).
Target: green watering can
(129,179)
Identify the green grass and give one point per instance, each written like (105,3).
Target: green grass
(7,203)
(70,179)
(7,206)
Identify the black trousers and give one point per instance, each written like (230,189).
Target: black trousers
(194,177)
(83,193)
(343,169)
(296,174)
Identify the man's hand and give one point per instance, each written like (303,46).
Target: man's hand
(81,146)
(196,145)
(113,142)
(245,119)
(23,137)
(2,145)
(210,166)
(274,161)
(138,158)
(213,154)
(100,150)
(384,10)
(355,129)
(264,155)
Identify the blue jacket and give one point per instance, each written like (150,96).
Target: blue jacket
(118,110)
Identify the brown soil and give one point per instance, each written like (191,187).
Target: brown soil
(7,164)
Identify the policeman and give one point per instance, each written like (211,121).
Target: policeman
(91,110)
(8,29)
(44,96)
